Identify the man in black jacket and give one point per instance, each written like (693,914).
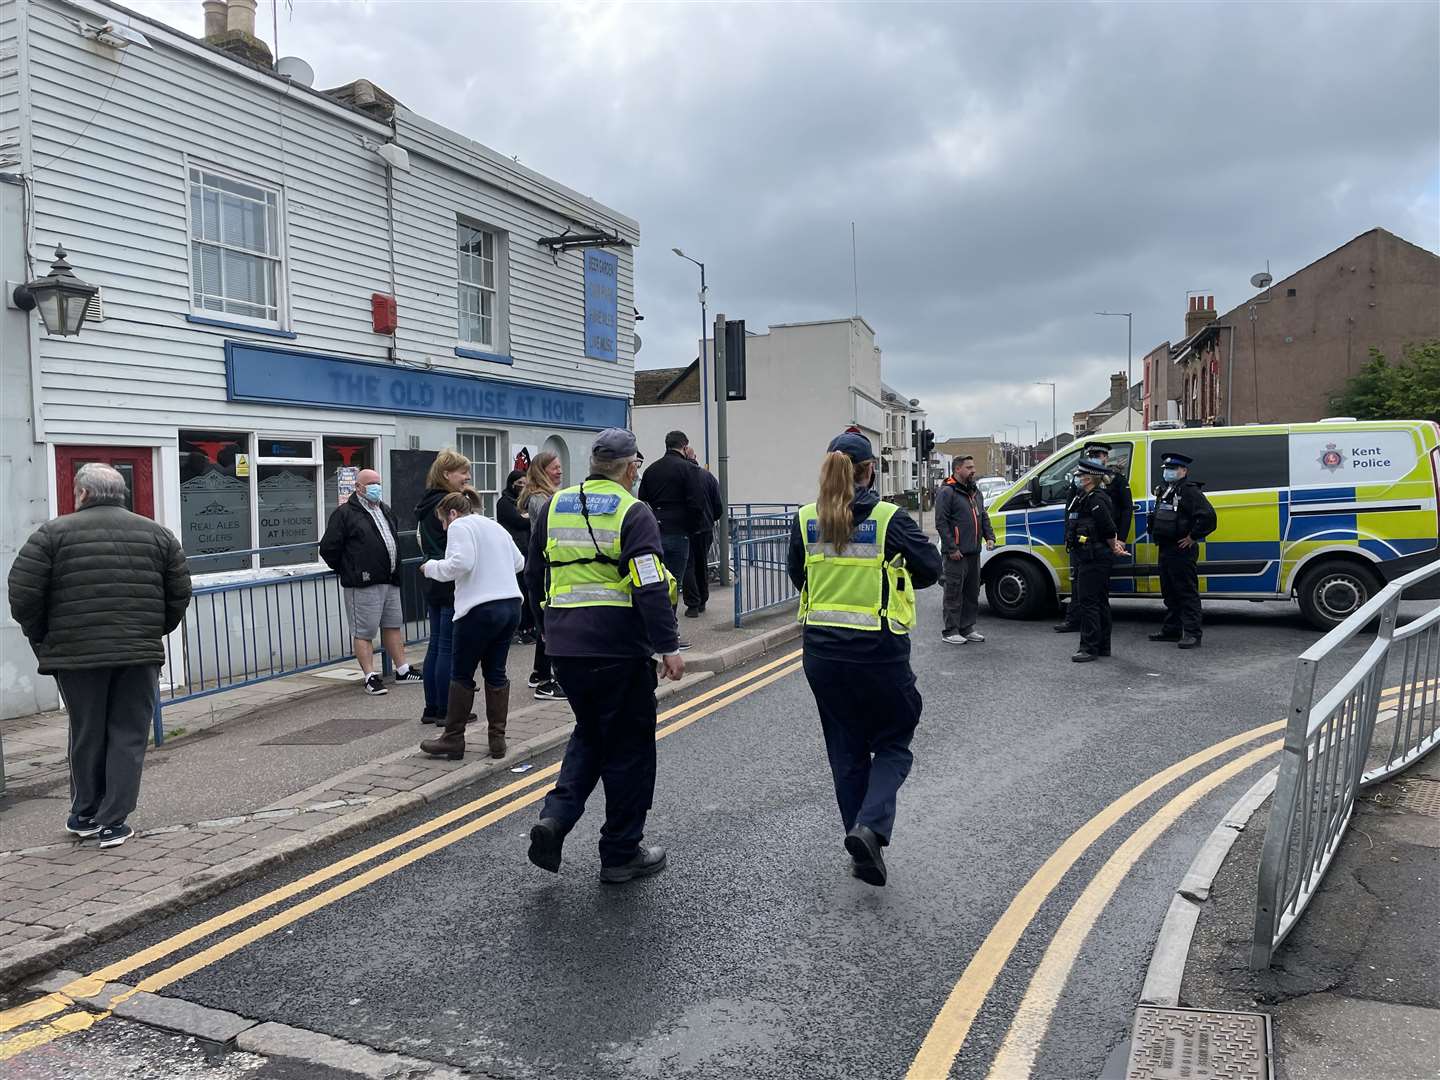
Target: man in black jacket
(697,571)
(95,592)
(361,545)
(671,487)
(964,525)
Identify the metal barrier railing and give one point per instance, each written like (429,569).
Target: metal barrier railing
(1328,744)
(759,543)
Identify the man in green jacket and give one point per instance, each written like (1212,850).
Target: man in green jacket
(95,592)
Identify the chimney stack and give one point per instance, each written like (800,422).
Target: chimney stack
(214,18)
(1202,311)
(230,27)
(240,15)
(1118,393)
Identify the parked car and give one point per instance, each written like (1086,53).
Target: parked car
(992,487)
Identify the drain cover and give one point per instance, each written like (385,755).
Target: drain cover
(336,732)
(1197,1044)
(1422,796)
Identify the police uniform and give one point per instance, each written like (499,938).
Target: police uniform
(1089,529)
(858,605)
(596,558)
(1122,509)
(1181,510)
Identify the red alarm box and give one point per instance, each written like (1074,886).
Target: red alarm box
(383,317)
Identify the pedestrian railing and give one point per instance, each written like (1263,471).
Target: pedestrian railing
(1328,749)
(759,543)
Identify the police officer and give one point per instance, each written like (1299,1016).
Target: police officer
(857,562)
(1181,519)
(1090,537)
(1122,508)
(596,558)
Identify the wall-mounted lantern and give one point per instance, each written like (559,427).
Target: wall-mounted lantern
(60,296)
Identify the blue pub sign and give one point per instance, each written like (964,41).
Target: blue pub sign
(602,304)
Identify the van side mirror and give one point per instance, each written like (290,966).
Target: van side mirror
(1034,489)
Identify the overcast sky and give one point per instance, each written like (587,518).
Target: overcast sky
(1010,168)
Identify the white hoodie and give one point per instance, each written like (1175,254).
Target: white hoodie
(481,559)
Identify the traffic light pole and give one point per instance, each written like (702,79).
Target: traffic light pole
(722,394)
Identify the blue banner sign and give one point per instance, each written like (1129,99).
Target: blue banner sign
(290,377)
(602,304)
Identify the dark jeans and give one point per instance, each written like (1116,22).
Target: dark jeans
(110,713)
(961,600)
(697,571)
(1180,586)
(482,640)
(436,669)
(675,552)
(868,713)
(1092,594)
(614,743)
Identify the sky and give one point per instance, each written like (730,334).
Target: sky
(1010,169)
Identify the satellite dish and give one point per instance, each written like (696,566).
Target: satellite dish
(1261,280)
(296,70)
(638,343)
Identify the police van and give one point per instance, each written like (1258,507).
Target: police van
(1323,513)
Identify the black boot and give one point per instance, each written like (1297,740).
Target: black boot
(451,744)
(497,711)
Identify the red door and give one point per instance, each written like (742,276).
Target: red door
(136,465)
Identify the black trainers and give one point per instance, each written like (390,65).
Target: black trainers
(549,691)
(115,835)
(647,861)
(414,676)
(692,613)
(374,684)
(81,827)
(536,679)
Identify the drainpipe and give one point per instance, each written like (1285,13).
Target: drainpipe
(1230,380)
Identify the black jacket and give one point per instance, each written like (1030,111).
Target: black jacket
(99,588)
(961,518)
(902,537)
(430,536)
(507,513)
(1121,504)
(710,489)
(673,489)
(1181,509)
(1090,522)
(352,546)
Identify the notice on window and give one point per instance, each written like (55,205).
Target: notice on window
(345,477)
(242,464)
(602,305)
(1345,458)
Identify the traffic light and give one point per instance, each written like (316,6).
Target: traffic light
(927,443)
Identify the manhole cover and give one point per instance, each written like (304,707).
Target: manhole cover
(1422,796)
(1198,1044)
(336,732)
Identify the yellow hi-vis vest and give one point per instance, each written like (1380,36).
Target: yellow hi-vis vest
(857,588)
(584,555)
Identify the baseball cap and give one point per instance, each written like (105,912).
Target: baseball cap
(613,444)
(853,445)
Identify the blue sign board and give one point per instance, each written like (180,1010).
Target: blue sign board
(602,304)
(291,377)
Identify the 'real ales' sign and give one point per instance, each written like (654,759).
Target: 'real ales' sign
(1351,457)
(293,377)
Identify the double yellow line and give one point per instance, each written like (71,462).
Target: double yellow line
(505,801)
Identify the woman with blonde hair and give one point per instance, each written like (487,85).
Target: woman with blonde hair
(542,480)
(857,562)
(449,473)
(481,560)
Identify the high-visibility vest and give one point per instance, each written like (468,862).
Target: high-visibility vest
(582,549)
(855,589)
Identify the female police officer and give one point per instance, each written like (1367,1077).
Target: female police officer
(1090,535)
(857,562)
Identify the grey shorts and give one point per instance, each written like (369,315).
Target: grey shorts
(373,608)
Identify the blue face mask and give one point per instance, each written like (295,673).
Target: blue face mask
(1170,475)
(372,492)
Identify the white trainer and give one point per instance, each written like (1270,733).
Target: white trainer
(953,638)
(975,635)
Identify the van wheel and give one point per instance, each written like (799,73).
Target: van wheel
(1335,589)
(1016,589)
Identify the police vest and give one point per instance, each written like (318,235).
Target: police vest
(1166,524)
(855,589)
(582,549)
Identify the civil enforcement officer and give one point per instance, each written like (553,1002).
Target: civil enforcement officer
(595,556)
(857,562)
(1181,519)
(1090,538)
(1122,508)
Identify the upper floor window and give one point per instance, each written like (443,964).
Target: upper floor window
(234,247)
(478,299)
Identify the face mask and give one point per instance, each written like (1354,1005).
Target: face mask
(1170,475)
(372,492)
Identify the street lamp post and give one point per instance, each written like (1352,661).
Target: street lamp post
(704,361)
(1054,429)
(1129,338)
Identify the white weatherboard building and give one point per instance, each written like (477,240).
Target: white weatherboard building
(900,456)
(249,235)
(805,383)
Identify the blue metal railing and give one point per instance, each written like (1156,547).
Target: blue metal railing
(759,543)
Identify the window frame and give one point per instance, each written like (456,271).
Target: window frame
(489,496)
(499,345)
(281,258)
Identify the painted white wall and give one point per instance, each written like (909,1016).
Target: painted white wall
(1125,420)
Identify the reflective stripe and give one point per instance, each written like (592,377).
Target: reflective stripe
(590,594)
(602,536)
(852,551)
(849,618)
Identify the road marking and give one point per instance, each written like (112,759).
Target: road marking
(68,1024)
(63,999)
(1032,1020)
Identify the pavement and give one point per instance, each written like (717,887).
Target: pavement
(254,777)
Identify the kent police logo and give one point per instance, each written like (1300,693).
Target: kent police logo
(1332,459)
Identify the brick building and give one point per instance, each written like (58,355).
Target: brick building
(1293,346)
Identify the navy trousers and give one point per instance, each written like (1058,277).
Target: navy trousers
(613,743)
(868,713)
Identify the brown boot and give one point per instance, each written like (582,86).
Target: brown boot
(451,744)
(497,711)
